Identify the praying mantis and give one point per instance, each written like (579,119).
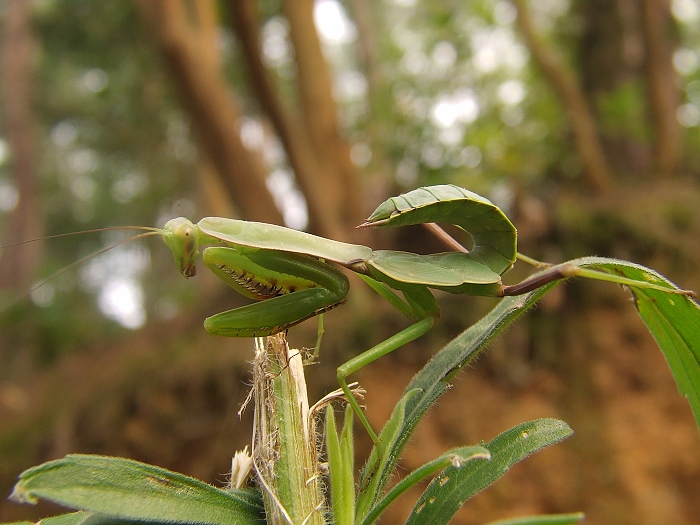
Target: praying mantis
(289,272)
(293,275)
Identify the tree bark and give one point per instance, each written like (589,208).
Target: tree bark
(379,177)
(19,264)
(664,97)
(565,85)
(610,58)
(323,220)
(212,109)
(320,113)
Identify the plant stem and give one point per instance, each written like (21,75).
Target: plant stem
(284,450)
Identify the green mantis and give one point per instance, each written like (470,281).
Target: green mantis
(290,274)
(293,276)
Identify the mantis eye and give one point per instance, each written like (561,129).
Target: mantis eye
(188,237)
(189,240)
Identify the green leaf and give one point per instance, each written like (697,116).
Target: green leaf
(547,519)
(341,467)
(127,489)
(83,518)
(347,450)
(448,492)
(673,320)
(456,457)
(80,518)
(376,472)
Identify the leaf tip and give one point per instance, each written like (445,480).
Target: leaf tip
(21,495)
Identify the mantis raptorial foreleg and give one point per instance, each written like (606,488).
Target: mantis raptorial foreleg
(290,287)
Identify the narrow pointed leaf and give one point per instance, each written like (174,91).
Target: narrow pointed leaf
(448,492)
(547,519)
(434,378)
(456,457)
(340,465)
(81,518)
(347,450)
(131,490)
(673,320)
(376,473)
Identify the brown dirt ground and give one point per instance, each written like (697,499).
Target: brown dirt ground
(634,457)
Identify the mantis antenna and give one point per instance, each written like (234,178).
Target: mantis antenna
(148,233)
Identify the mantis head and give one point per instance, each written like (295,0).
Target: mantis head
(182,237)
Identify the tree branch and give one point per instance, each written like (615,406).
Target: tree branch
(212,109)
(664,97)
(566,87)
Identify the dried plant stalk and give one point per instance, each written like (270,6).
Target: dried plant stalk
(284,442)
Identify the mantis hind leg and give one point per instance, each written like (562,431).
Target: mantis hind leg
(421,306)
(356,363)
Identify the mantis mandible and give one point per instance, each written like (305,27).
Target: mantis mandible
(290,275)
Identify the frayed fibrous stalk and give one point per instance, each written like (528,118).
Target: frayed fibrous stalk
(284,450)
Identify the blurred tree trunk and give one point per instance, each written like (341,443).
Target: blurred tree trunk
(315,148)
(206,36)
(578,109)
(19,264)
(319,181)
(663,93)
(369,17)
(610,51)
(320,113)
(626,43)
(624,48)
(212,108)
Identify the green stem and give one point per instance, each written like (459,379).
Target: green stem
(567,270)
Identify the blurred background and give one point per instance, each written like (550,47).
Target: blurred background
(580,118)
